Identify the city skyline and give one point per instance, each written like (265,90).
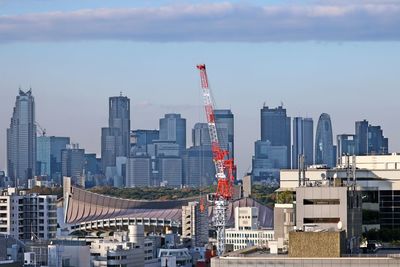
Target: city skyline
(350,79)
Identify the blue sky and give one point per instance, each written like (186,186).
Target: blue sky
(337,57)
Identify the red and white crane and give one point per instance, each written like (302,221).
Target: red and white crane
(223,165)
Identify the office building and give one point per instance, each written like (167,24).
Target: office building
(73,162)
(21,140)
(195,224)
(224,121)
(324,149)
(115,139)
(361,133)
(247,232)
(48,156)
(370,139)
(346,145)
(267,161)
(141,139)
(275,128)
(138,171)
(173,128)
(198,166)
(303,141)
(28,216)
(170,171)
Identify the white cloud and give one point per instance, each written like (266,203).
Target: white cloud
(217,22)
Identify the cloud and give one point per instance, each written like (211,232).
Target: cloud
(213,22)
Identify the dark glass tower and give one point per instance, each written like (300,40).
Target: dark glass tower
(115,139)
(303,140)
(224,120)
(21,139)
(275,128)
(324,150)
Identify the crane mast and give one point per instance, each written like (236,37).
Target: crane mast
(223,166)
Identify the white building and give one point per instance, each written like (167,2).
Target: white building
(246,232)
(175,257)
(28,216)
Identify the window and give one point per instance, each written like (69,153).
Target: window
(321,201)
(321,220)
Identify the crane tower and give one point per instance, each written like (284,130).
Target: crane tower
(223,165)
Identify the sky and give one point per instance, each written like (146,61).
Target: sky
(332,56)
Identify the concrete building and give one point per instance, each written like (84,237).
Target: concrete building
(198,166)
(378,179)
(138,171)
(247,232)
(68,253)
(195,224)
(21,140)
(284,221)
(27,217)
(175,257)
(121,249)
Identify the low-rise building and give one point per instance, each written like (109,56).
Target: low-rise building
(247,232)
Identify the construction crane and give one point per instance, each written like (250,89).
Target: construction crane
(223,165)
(40,129)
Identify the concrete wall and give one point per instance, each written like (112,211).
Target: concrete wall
(317,244)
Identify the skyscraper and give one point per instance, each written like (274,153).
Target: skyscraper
(275,128)
(303,140)
(115,139)
(346,145)
(224,120)
(370,139)
(73,162)
(173,128)
(324,150)
(21,139)
(48,155)
(362,137)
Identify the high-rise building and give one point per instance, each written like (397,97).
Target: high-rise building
(170,171)
(198,166)
(141,139)
(303,140)
(346,145)
(138,171)
(21,139)
(173,128)
(275,128)
(195,224)
(224,120)
(370,139)
(324,149)
(73,162)
(362,137)
(115,139)
(267,162)
(48,156)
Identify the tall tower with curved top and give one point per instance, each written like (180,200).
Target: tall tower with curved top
(324,150)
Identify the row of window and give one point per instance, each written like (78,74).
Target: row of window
(251,235)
